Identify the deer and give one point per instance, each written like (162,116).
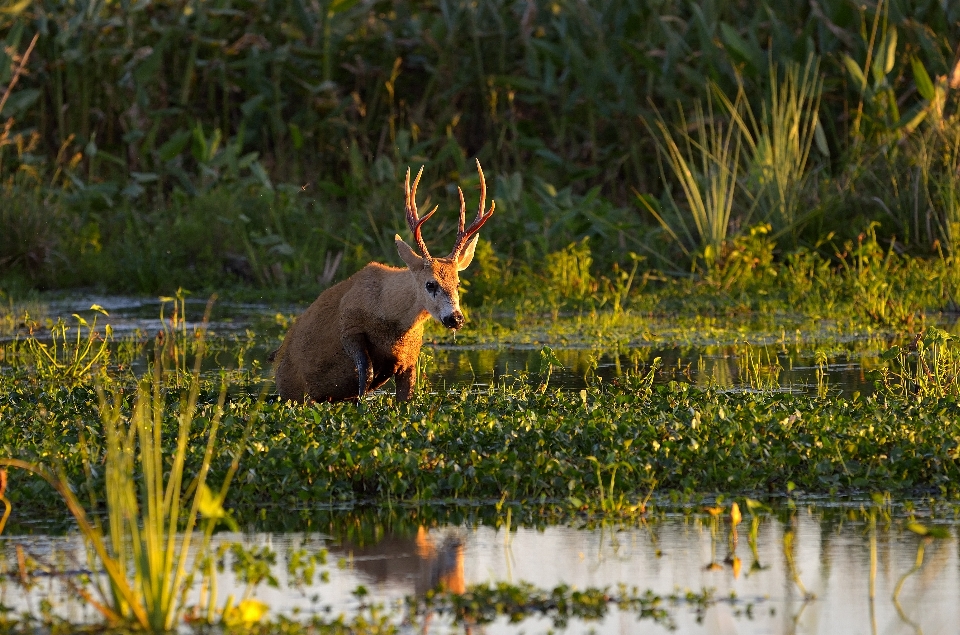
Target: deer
(361,332)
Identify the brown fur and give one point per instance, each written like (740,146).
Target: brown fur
(381,307)
(372,323)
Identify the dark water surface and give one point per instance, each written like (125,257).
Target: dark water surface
(786,362)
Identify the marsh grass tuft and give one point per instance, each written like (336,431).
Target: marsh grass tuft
(70,358)
(929,368)
(159,521)
(706,164)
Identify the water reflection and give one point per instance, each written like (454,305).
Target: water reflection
(816,570)
(244,334)
(422,562)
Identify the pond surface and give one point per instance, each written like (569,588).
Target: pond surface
(811,571)
(828,590)
(742,358)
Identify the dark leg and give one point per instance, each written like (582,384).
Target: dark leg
(406,380)
(355,346)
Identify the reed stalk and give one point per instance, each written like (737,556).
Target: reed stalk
(159,520)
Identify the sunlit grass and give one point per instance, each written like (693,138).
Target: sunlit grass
(159,519)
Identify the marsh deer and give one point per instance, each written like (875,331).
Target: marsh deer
(361,332)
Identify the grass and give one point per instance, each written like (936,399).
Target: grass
(153,509)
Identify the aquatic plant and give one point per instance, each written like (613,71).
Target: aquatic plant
(929,368)
(483,603)
(67,358)
(153,510)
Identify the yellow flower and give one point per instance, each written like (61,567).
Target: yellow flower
(247,612)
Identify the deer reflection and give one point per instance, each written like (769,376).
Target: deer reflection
(427,561)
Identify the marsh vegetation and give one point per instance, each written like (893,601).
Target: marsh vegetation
(715,314)
(91,414)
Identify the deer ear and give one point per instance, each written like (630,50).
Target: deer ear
(466,257)
(414,262)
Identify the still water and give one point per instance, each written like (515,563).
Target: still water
(750,360)
(828,590)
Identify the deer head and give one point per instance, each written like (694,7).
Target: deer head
(437,280)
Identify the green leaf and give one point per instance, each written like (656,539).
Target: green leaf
(548,358)
(922,79)
(820,138)
(16,8)
(855,72)
(739,48)
(891,353)
(296,135)
(257,170)
(19,101)
(339,6)
(891,52)
(175,145)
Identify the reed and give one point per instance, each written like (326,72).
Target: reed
(159,519)
(706,165)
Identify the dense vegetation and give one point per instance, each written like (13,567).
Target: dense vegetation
(604,449)
(250,143)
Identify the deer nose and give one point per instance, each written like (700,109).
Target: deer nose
(453,321)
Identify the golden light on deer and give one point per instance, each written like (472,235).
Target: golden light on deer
(361,332)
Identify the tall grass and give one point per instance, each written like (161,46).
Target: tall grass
(779,141)
(159,519)
(706,164)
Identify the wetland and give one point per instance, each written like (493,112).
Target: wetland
(576,472)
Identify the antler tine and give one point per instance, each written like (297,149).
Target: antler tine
(463,212)
(464,235)
(414,222)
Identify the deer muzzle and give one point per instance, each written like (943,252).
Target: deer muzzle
(453,320)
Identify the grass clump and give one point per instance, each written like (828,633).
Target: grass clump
(154,511)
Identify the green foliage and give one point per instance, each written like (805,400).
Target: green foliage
(928,369)
(258,145)
(483,603)
(520,443)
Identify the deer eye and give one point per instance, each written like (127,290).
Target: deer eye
(432,287)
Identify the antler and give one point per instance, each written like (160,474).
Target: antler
(464,235)
(413,219)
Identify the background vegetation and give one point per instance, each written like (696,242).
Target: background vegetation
(261,144)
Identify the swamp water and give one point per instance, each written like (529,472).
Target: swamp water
(814,571)
(784,358)
(809,572)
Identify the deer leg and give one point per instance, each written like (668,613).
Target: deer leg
(355,347)
(406,380)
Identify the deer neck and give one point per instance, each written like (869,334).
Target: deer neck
(400,303)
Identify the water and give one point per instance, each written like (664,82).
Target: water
(831,547)
(788,364)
